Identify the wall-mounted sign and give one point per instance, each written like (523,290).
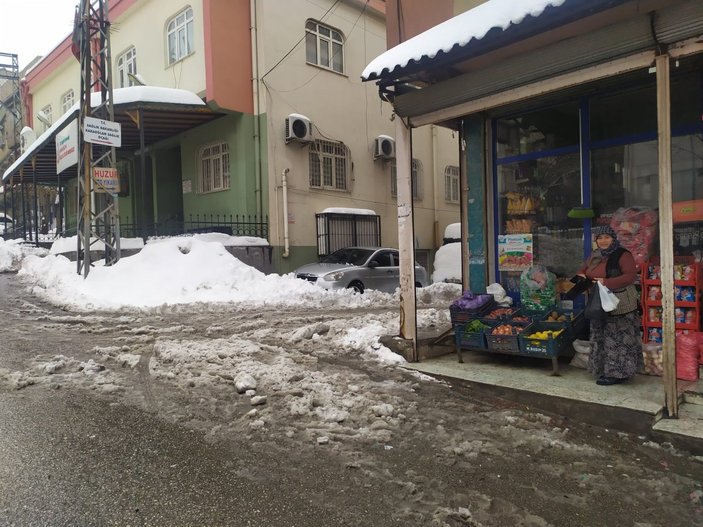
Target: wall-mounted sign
(106,180)
(102,132)
(187,186)
(67,147)
(515,252)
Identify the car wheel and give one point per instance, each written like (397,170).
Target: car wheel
(356,286)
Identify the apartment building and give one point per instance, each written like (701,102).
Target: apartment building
(295,139)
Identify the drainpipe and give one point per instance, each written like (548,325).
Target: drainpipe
(284,186)
(435,190)
(259,198)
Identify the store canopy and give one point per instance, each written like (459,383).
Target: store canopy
(165,112)
(489,26)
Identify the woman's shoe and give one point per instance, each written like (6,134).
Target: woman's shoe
(609,381)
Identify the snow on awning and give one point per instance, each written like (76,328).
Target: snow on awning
(471,25)
(166,112)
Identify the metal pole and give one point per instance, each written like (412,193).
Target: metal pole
(36,202)
(666,242)
(464,209)
(24,214)
(142,169)
(406,234)
(14,214)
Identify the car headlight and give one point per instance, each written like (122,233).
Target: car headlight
(333,277)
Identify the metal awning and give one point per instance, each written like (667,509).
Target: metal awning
(492,25)
(165,113)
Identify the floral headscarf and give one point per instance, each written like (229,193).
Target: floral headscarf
(606,229)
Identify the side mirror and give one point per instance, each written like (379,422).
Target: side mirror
(373,264)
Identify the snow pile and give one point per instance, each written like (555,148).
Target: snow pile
(224,239)
(12,253)
(188,270)
(447,263)
(70,244)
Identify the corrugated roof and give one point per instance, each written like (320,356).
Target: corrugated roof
(491,25)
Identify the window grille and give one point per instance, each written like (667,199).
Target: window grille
(67,100)
(214,168)
(415,176)
(328,165)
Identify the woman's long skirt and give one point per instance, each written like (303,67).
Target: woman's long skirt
(616,347)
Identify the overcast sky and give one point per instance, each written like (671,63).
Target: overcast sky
(34,27)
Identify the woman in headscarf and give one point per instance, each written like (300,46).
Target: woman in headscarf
(616,345)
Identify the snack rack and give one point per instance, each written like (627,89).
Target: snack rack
(688,280)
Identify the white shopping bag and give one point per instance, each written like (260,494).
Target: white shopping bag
(608,300)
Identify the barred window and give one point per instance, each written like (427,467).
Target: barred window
(179,36)
(415,176)
(451,183)
(67,101)
(328,165)
(324,46)
(126,64)
(214,168)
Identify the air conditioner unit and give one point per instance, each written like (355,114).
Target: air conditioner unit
(384,147)
(298,128)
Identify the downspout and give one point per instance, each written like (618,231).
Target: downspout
(259,198)
(284,186)
(435,190)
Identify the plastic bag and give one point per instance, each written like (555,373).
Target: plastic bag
(608,301)
(500,295)
(583,351)
(593,310)
(687,357)
(637,230)
(652,355)
(538,288)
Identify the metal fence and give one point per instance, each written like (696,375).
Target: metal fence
(232,224)
(337,230)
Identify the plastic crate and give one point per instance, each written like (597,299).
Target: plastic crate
(549,347)
(530,316)
(504,343)
(574,324)
(460,316)
(475,340)
(505,317)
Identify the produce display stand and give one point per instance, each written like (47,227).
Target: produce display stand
(522,342)
(688,280)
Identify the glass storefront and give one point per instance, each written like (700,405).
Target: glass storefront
(605,146)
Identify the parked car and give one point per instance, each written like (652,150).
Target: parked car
(360,268)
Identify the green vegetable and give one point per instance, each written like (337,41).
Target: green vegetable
(475,326)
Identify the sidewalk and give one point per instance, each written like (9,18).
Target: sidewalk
(637,406)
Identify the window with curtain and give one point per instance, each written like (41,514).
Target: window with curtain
(451,184)
(126,64)
(179,36)
(328,165)
(324,46)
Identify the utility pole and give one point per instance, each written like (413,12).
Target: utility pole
(97,210)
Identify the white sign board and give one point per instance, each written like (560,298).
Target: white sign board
(102,132)
(67,147)
(106,180)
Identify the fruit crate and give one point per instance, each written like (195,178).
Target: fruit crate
(460,316)
(530,317)
(476,340)
(547,347)
(575,323)
(504,343)
(501,314)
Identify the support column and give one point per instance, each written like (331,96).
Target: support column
(406,233)
(24,209)
(666,241)
(36,202)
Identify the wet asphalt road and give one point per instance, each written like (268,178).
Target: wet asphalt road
(70,461)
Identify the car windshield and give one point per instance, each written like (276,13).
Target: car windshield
(350,256)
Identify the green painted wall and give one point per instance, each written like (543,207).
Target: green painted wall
(238,131)
(475,172)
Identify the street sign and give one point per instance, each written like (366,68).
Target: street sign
(102,132)
(67,147)
(107,180)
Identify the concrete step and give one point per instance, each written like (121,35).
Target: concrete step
(686,431)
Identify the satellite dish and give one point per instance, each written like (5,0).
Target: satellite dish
(136,79)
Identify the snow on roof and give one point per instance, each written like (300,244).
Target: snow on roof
(344,210)
(131,94)
(470,25)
